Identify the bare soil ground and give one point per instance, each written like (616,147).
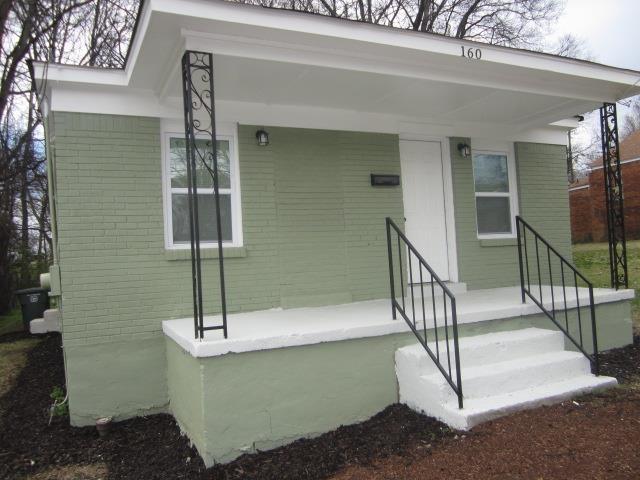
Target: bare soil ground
(595,437)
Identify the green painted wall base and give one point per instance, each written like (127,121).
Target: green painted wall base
(239,403)
(260,400)
(117,379)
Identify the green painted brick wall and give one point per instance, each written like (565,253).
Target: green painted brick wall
(543,202)
(330,221)
(543,194)
(313,226)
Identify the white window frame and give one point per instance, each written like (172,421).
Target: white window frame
(508,151)
(224,132)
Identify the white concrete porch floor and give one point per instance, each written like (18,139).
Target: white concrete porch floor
(279,328)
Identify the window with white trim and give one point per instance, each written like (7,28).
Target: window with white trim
(494,183)
(177,211)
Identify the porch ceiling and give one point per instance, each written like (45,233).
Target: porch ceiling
(269,82)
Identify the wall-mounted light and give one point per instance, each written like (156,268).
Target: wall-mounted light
(464,149)
(262,137)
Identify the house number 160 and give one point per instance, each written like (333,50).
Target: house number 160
(474,53)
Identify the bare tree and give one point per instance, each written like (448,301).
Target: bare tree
(515,23)
(107,25)
(94,32)
(570,46)
(631,121)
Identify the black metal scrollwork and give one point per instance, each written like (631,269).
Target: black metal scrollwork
(614,196)
(199,123)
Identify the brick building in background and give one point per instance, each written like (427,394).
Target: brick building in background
(587,199)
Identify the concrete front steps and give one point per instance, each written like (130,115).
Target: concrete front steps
(49,323)
(501,373)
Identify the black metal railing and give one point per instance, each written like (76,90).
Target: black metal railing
(547,288)
(425,277)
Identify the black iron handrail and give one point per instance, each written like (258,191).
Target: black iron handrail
(557,307)
(435,282)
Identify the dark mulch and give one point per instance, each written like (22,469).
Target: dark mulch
(393,431)
(622,363)
(152,447)
(593,437)
(139,448)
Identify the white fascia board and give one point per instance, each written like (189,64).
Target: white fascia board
(110,101)
(566,124)
(622,162)
(582,187)
(52,74)
(375,34)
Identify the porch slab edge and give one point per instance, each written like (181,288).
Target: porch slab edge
(309,326)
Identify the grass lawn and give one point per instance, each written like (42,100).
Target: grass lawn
(592,259)
(11,322)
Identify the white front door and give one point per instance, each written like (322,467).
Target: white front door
(424,208)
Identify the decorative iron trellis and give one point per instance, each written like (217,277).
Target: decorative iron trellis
(613,196)
(570,169)
(199,123)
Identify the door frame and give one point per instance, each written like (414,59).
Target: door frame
(447,183)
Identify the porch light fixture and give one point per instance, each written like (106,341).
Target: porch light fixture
(262,137)
(464,149)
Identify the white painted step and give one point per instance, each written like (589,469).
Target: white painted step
(512,375)
(501,373)
(480,410)
(50,323)
(484,349)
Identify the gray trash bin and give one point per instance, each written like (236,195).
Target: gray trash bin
(33,303)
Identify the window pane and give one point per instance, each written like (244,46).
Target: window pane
(178,163)
(490,172)
(206,214)
(494,215)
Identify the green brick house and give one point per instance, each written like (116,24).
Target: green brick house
(473,142)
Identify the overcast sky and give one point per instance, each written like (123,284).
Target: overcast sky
(609,28)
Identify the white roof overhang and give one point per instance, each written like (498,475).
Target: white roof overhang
(267,60)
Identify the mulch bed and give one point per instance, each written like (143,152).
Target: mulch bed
(153,448)
(593,437)
(622,363)
(396,443)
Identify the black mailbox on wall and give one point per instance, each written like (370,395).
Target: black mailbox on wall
(378,180)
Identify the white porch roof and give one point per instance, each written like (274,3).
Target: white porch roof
(278,328)
(271,66)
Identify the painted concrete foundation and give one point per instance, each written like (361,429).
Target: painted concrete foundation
(238,403)
(118,379)
(242,402)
